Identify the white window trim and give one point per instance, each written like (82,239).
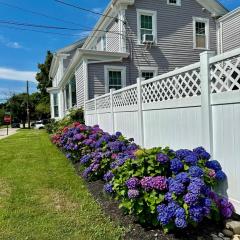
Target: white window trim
(148,69)
(206,21)
(150,13)
(179,3)
(108,68)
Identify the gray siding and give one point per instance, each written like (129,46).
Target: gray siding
(231,33)
(80,86)
(174,35)
(96,80)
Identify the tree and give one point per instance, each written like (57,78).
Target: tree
(43,75)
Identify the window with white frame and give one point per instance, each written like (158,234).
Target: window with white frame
(201,33)
(115,77)
(55,105)
(148,72)
(147,24)
(174,2)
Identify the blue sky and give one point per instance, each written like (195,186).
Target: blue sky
(21,51)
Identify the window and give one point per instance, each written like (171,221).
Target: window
(201,33)
(147,75)
(73,92)
(115,77)
(147,24)
(55,105)
(148,72)
(174,2)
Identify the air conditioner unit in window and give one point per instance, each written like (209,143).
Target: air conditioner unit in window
(148,38)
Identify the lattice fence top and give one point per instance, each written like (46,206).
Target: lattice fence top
(185,84)
(90,105)
(225,75)
(125,98)
(103,102)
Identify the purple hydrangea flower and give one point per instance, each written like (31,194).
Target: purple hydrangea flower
(168,197)
(132,183)
(108,188)
(133,193)
(176,165)
(162,158)
(85,159)
(147,183)
(108,176)
(159,183)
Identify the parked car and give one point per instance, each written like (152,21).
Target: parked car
(15,125)
(39,125)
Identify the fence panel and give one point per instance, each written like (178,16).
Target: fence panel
(198,105)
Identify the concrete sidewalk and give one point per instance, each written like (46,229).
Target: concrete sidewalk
(3,132)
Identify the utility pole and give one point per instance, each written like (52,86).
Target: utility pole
(28,113)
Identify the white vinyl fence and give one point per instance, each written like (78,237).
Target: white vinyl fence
(198,105)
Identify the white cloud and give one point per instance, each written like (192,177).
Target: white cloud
(13,74)
(9,43)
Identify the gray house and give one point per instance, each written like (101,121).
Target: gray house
(133,38)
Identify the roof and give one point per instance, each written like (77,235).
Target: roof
(229,15)
(214,7)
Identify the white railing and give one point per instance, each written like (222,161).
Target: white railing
(198,105)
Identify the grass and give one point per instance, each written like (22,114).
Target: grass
(41,197)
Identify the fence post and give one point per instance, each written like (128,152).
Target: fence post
(206,110)
(111,108)
(140,112)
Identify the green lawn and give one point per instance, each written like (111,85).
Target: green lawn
(41,197)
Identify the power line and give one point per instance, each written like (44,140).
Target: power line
(86,10)
(38,13)
(47,32)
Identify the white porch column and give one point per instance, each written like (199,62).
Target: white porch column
(51,105)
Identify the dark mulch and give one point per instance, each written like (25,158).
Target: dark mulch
(135,231)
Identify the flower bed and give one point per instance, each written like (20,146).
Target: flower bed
(162,187)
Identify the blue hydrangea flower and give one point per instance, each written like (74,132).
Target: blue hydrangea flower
(164,218)
(180,223)
(182,153)
(202,153)
(220,175)
(191,159)
(161,208)
(176,165)
(85,159)
(214,164)
(171,209)
(196,213)
(168,197)
(182,177)
(108,188)
(176,187)
(191,198)
(195,186)
(196,171)
(180,213)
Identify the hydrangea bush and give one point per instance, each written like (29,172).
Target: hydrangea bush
(162,187)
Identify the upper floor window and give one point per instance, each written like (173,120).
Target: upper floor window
(200,33)
(174,2)
(147,25)
(115,77)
